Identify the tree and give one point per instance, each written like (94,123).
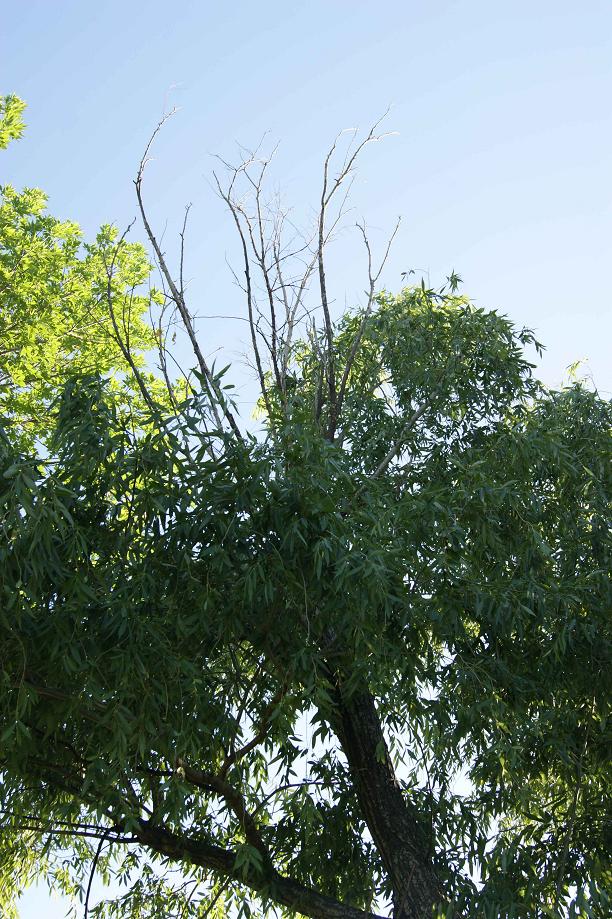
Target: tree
(353,662)
(58,320)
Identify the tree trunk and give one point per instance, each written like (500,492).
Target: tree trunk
(395,824)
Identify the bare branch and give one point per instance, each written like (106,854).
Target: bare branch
(260,255)
(215,393)
(329,189)
(235,212)
(182,256)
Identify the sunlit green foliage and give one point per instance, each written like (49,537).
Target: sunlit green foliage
(11,122)
(179,608)
(55,322)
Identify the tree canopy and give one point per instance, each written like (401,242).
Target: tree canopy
(354,662)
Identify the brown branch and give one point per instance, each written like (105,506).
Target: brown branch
(66,825)
(161,336)
(182,255)
(269,883)
(81,834)
(234,800)
(260,255)
(331,383)
(291,310)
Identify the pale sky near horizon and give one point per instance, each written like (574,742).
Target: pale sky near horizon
(500,166)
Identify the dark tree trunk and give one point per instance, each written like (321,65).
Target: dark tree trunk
(395,824)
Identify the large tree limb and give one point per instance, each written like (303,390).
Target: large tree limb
(278,888)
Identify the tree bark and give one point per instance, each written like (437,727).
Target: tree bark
(395,824)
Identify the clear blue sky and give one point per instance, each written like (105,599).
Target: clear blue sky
(501,167)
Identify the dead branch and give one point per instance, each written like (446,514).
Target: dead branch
(226,195)
(328,191)
(213,388)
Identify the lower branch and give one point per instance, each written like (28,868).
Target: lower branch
(269,884)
